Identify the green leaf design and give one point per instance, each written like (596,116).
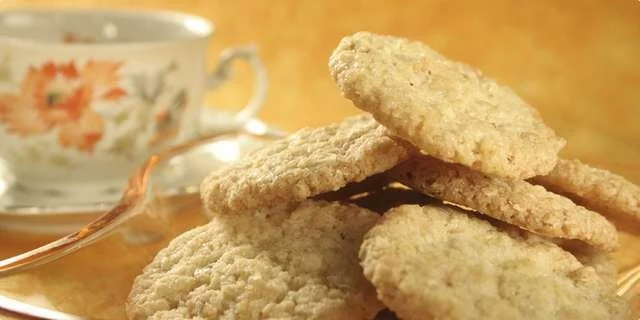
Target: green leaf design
(173,66)
(121,117)
(5,71)
(60,161)
(179,101)
(33,153)
(123,146)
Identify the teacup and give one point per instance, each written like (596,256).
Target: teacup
(86,95)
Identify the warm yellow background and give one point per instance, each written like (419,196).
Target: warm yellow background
(577,61)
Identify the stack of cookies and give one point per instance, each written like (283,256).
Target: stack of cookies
(446,200)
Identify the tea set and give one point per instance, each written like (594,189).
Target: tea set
(86,96)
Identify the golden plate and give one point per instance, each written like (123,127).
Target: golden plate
(94,281)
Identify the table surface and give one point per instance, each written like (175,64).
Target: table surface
(576,61)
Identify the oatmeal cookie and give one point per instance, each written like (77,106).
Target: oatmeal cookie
(597,189)
(437,262)
(299,264)
(513,201)
(446,108)
(304,164)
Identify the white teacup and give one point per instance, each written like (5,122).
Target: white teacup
(85,95)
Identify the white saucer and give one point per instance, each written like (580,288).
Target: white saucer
(29,211)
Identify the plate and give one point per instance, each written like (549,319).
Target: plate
(62,213)
(94,281)
(160,201)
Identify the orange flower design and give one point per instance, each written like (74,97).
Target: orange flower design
(60,96)
(82,134)
(57,92)
(19,118)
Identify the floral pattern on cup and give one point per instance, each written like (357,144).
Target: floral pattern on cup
(60,95)
(155,113)
(83,104)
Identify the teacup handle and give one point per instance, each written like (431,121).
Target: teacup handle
(224,72)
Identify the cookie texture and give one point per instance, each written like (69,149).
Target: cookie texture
(306,163)
(382,200)
(300,264)
(597,189)
(513,201)
(601,262)
(437,262)
(447,109)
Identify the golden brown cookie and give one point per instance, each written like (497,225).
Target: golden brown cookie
(597,189)
(304,164)
(447,109)
(438,262)
(373,183)
(601,262)
(513,201)
(300,264)
(383,199)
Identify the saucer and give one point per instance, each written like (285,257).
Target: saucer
(50,213)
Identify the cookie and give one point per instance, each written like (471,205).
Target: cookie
(300,264)
(447,109)
(376,193)
(304,164)
(371,184)
(382,200)
(437,262)
(513,201)
(597,189)
(601,262)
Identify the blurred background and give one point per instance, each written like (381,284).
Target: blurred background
(578,62)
